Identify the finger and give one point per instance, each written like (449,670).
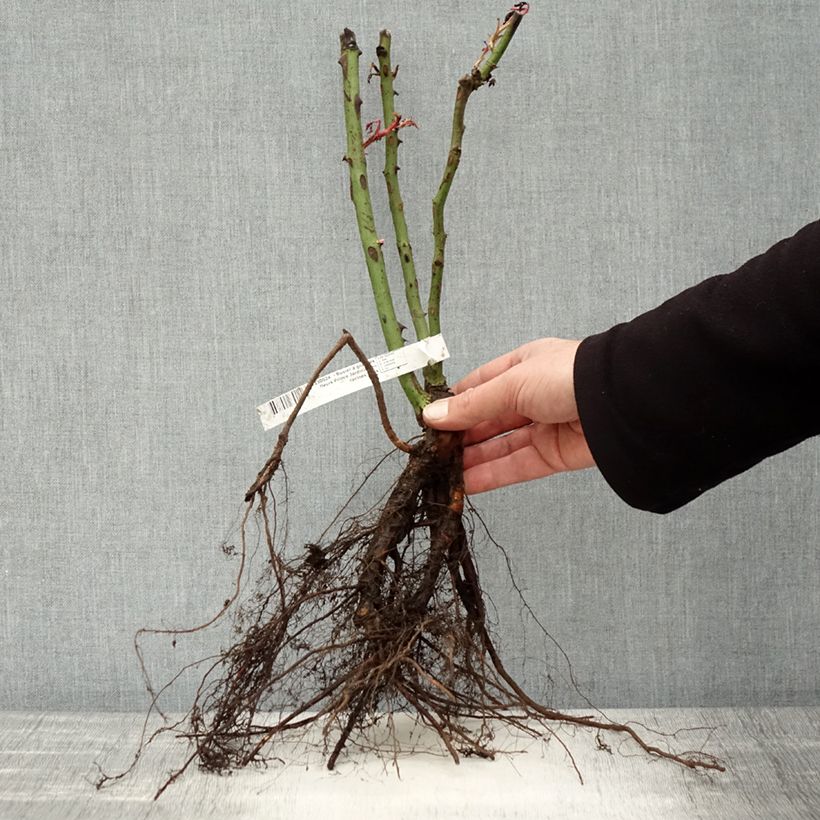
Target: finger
(489,370)
(497,448)
(522,465)
(476,404)
(489,429)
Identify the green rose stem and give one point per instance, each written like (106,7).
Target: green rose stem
(391,177)
(360,194)
(478,75)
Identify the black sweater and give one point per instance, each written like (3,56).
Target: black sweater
(710,382)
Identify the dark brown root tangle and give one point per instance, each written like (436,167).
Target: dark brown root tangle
(388,616)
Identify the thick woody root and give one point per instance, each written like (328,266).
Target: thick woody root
(388,616)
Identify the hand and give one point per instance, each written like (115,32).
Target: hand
(520,417)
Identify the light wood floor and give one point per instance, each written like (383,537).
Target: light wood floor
(773,758)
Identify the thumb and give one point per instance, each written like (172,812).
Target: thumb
(476,404)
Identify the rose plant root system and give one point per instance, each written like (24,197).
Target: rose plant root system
(386,616)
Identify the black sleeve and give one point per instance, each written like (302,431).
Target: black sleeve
(710,382)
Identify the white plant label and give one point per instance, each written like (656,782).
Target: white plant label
(331,386)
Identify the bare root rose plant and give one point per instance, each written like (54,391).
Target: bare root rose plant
(387,613)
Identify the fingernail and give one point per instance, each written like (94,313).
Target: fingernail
(436,411)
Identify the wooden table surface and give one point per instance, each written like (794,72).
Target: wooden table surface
(47,765)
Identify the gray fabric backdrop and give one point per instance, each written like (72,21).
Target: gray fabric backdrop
(177,246)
